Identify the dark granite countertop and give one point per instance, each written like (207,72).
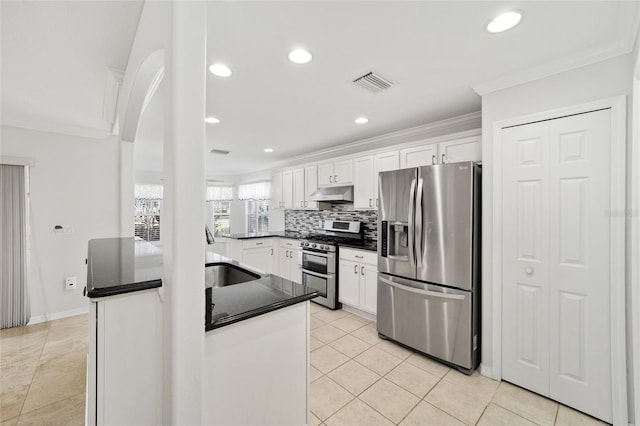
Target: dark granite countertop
(122,265)
(242,301)
(285,234)
(370,245)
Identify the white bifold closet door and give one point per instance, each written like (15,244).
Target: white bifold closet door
(556,246)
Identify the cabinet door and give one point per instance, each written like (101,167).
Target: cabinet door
(343,172)
(368,288)
(295,274)
(348,282)
(276,191)
(467,149)
(260,258)
(383,163)
(298,189)
(425,155)
(325,174)
(283,261)
(363,194)
(287,189)
(311,186)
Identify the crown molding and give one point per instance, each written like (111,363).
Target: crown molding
(434,131)
(561,65)
(447,126)
(85,132)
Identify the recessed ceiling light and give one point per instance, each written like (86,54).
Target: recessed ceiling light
(221,70)
(268,150)
(300,56)
(211,120)
(504,21)
(361,120)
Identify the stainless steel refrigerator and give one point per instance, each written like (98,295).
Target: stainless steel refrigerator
(429,260)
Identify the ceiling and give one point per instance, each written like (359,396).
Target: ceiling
(57,60)
(434,52)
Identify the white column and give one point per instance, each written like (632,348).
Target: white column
(184,243)
(127,186)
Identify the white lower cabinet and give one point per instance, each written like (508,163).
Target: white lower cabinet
(358,279)
(288,260)
(256,371)
(124,380)
(261,253)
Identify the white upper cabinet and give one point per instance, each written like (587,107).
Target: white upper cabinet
(365,178)
(298,189)
(453,151)
(467,149)
(418,156)
(276,191)
(305,182)
(311,186)
(287,189)
(363,188)
(383,163)
(335,174)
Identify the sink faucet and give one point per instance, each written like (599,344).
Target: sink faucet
(208,235)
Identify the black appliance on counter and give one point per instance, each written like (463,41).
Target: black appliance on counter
(318,261)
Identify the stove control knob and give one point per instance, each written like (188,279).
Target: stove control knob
(306,244)
(326,247)
(313,245)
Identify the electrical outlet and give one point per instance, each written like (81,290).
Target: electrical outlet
(71,283)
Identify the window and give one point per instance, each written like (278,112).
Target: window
(257,216)
(220,214)
(148,204)
(219,209)
(257,196)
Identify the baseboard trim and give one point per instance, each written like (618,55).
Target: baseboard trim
(488,372)
(58,315)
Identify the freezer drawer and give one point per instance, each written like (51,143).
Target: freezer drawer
(432,319)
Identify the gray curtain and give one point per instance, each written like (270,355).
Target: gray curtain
(14,301)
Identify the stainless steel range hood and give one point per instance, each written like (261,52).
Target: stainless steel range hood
(336,194)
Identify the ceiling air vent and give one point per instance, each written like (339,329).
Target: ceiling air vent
(373,82)
(219,151)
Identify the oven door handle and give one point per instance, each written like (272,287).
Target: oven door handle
(327,276)
(319,254)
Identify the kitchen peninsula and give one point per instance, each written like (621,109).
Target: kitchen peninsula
(256,342)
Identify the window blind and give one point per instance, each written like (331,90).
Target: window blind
(255,191)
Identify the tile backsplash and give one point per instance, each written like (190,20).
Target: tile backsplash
(309,221)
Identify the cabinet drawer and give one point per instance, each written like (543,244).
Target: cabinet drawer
(359,256)
(289,243)
(257,243)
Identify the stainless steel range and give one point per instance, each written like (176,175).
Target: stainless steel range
(318,260)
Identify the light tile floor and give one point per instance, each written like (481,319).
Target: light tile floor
(43,373)
(357,379)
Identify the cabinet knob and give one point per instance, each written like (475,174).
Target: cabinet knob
(362,270)
(271,252)
(355,269)
(528,271)
(335,178)
(442,158)
(370,205)
(433,160)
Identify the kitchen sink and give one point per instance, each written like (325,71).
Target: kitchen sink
(224,274)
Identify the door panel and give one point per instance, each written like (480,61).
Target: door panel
(298,189)
(287,189)
(525,308)
(383,163)
(460,150)
(395,190)
(556,245)
(579,250)
(445,242)
(363,196)
(348,280)
(368,288)
(311,186)
(419,156)
(429,318)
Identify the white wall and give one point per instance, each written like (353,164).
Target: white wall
(596,81)
(75,182)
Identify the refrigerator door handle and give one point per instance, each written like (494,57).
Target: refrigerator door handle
(412,204)
(423,292)
(418,228)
